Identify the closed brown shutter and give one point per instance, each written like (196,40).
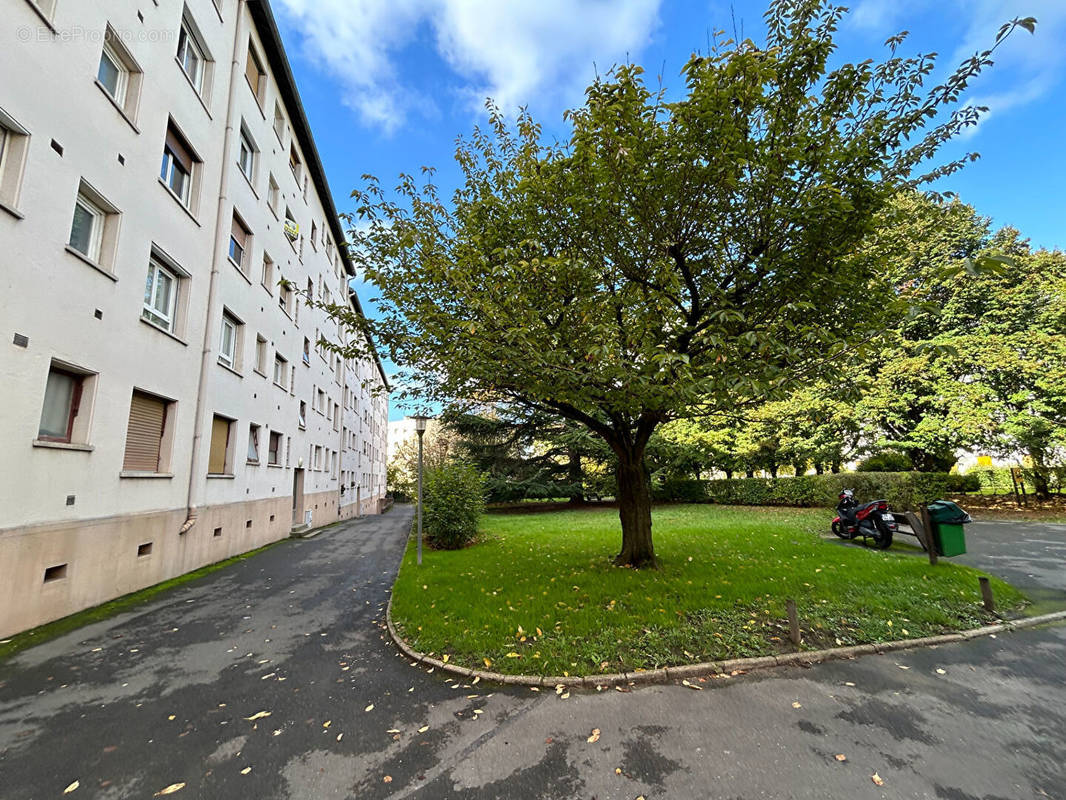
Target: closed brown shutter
(239,233)
(219,444)
(253,72)
(177,146)
(145,433)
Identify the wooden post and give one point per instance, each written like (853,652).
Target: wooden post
(793,622)
(930,541)
(986,594)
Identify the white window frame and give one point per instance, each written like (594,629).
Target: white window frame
(229,322)
(188,43)
(253,444)
(122,82)
(151,312)
(170,167)
(246,153)
(97,219)
(280,368)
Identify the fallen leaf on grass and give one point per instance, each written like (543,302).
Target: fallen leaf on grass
(72,787)
(877,779)
(445,659)
(487,662)
(174,787)
(595,737)
(253,718)
(840,757)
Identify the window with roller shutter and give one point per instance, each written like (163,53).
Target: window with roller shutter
(144,435)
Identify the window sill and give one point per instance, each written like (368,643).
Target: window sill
(221,475)
(248,180)
(257,372)
(251,463)
(268,291)
(239,269)
(84,258)
(275,466)
(135,474)
(44,17)
(165,332)
(192,85)
(228,368)
(122,112)
(84,448)
(178,200)
(12,211)
(280,386)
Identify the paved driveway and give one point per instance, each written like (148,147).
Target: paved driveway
(274,679)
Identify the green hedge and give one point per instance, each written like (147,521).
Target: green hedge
(902,490)
(680,490)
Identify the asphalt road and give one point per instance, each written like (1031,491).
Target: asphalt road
(274,679)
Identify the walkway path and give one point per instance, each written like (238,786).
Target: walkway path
(274,679)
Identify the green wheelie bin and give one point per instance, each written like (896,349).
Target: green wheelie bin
(947,520)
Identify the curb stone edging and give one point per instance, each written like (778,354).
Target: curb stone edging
(666,674)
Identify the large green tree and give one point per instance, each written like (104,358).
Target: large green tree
(671,257)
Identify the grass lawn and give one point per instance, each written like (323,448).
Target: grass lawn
(538,594)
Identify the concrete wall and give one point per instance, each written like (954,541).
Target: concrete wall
(73,504)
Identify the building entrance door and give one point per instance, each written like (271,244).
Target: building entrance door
(297,497)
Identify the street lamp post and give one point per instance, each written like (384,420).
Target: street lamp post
(420,429)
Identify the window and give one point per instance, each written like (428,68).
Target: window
(307,351)
(246,154)
(219,461)
(192,55)
(255,74)
(268,273)
(253,443)
(314,234)
(303,414)
(279,122)
(285,297)
(14,141)
(321,404)
(274,453)
(280,365)
(87,229)
(229,341)
(94,227)
(118,74)
(179,169)
(145,446)
(292,230)
(260,355)
(62,402)
(160,296)
(273,194)
(239,240)
(294,162)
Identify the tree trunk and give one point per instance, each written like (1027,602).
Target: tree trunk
(729,474)
(749,473)
(576,478)
(634,511)
(799,468)
(835,467)
(819,468)
(773,470)
(1039,474)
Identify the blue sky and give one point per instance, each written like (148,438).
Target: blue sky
(388,85)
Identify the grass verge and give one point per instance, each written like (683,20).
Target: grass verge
(538,594)
(80,619)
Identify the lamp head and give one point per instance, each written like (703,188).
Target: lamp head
(420,423)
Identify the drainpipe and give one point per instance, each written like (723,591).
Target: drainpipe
(214,302)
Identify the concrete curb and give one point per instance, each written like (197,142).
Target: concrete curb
(683,671)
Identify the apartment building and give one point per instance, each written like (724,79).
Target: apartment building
(163,216)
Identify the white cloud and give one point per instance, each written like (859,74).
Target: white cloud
(515,52)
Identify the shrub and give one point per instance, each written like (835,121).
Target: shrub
(902,490)
(889,461)
(680,490)
(453,499)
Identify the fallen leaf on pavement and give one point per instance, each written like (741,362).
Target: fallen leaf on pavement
(72,787)
(174,787)
(340,736)
(369,707)
(840,757)
(387,779)
(941,672)
(478,711)
(564,696)
(246,770)
(327,723)
(692,686)
(902,667)
(617,770)
(392,730)
(796,705)
(423,729)
(877,779)
(595,737)
(848,683)
(253,718)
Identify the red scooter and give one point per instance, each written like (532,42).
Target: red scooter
(871,520)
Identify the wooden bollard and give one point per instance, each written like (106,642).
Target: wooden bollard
(986,594)
(793,622)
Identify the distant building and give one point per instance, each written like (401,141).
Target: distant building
(167,404)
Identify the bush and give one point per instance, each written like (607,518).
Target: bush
(902,490)
(680,490)
(453,498)
(888,461)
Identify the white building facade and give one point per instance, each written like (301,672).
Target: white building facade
(167,403)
